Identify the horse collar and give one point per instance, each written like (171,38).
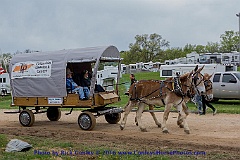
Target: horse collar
(177,88)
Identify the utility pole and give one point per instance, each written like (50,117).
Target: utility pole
(238,15)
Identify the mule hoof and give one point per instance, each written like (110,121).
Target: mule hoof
(165,131)
(121,127)
(179,123)
(136,124)
(159,126)
(181,126)
(143,129)
(187,131)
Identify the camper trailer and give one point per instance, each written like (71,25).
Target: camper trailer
(133,68)
(156,66)
(172,70)
(4,84)
(123,68)
(107,77)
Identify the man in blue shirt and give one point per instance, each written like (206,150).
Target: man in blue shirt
(197,99)
(85,83)
(72,86)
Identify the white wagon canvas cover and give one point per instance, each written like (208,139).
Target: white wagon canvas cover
(43,74)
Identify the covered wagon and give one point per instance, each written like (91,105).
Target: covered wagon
(38,83)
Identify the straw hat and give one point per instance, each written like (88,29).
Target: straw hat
(68,71)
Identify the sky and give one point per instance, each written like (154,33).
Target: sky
(47,25)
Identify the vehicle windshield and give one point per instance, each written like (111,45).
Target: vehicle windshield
(237,75)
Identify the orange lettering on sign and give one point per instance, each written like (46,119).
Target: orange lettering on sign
(22,67)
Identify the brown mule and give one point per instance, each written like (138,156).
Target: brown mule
(162,93)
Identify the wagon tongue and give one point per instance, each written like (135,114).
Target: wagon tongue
(110,111)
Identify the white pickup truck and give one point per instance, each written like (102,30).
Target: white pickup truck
(226,85)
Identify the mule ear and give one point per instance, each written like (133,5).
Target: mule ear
(190,74)
(210,76)
(196,68)
(177,74)
(200,69)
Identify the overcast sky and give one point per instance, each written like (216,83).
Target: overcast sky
(63,24)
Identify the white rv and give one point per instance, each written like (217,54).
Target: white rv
(133,68)
(107,77)
(123,68)
(144,66)
(171,70)
(4,84)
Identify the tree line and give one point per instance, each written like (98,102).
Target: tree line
(154,48)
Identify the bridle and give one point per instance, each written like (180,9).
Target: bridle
(195,82)
(208,84)
(189,86)
(195,78)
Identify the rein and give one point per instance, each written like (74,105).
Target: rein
(139,99)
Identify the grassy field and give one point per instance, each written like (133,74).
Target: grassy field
(223,106)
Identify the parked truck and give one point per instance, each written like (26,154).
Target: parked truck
(226,85)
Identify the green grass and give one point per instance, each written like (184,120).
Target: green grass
(5,102)
(3,141)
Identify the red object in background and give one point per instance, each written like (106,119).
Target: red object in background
(2,70)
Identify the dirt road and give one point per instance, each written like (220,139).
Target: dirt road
(219,134)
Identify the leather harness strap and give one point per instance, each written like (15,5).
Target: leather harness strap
(161,93)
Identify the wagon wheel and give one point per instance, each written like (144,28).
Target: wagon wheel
(86,121)
(53,114)
(26,118)
(113,118)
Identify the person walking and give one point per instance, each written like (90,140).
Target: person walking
(197,99)
(132,78)
(204,103)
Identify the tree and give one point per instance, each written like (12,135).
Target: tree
(200,49)
(147,47)
(188,48)
(126,57)
(229,41)
(212,47)
(173,53)
(5,60)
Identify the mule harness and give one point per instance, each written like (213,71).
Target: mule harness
(176,89)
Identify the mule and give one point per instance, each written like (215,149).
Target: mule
(161,93)
(199,80)
(208,86)
(208,94)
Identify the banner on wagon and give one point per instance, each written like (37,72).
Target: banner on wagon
(32,69)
